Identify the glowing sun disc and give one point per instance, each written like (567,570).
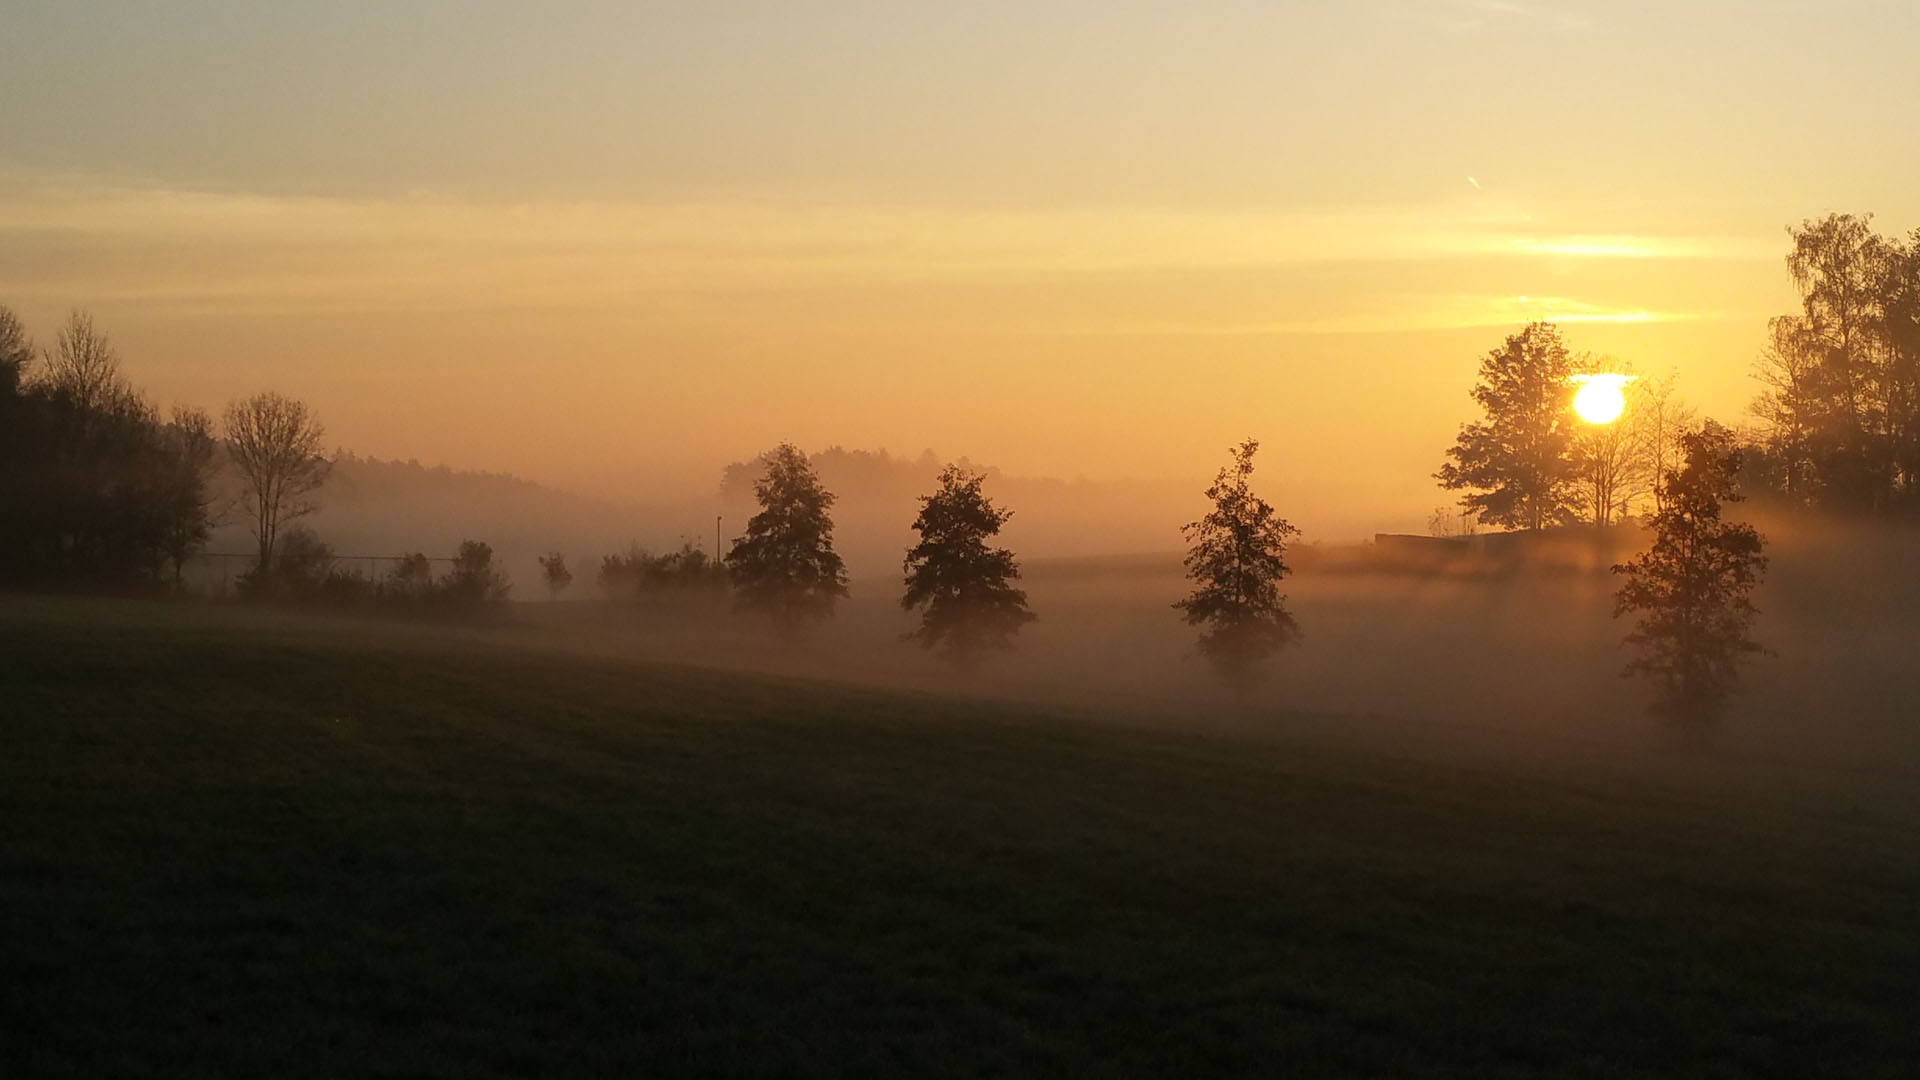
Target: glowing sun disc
(1601,398)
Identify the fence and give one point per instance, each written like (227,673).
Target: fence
(213,573)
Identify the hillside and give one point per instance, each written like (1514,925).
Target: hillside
(239,845)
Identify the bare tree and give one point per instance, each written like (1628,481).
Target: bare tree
(1606,458)
(83,367)
(1660,417)
(275,446)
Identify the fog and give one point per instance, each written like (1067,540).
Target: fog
(1399,658)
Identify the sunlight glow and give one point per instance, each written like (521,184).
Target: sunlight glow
(1601,398)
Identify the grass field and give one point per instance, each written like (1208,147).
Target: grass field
(241,846)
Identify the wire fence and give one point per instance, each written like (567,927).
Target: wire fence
(214,573)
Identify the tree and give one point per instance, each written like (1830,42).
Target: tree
(1841,379)
(1606,457)
(95,490)
(1236,560)
(83,367)
(1617,466)
(1660,419)
(16,353)
(186,490)
(411,578)
(553,567)
(1900,294)
(474,583)
(1517,465)
(275,446)
(1692,587)
(785,565)
(969,606)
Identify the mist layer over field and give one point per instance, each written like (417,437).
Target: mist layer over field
(1388,655)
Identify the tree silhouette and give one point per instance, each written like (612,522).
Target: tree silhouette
(964,588)
(274,444)
(83,368)
(553,567)
(1841,397)
(95,489)
(1236,561)
(1660,419)
(1617,466)
(1517,464)
(1692,587)
(16,354)
(186,487)
(474,583)
(784,565)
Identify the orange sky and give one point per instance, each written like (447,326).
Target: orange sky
(612,246)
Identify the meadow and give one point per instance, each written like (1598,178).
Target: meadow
(234,843)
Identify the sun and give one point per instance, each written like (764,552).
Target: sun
(1601,398)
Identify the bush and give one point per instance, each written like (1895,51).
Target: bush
(674,578)
(305,575)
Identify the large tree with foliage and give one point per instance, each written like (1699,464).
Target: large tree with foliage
(963,586)
(1236,558)
(274,443)
(1840,404)
(1517,465)
(1692,589)
(785,565)
(1900,325)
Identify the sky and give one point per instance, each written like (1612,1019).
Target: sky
(613,246)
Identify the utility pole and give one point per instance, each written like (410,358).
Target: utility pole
(716,539)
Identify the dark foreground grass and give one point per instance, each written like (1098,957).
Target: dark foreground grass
(231,847)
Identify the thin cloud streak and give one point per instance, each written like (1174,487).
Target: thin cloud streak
(209,249)
(1416,315)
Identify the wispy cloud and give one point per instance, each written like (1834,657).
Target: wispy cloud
(1412,314)
(204,249)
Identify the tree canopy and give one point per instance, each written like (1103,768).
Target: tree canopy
(1692,588)
(1236,559)
(963,587)
(1517,466)
(784,565)
(274,443)
(1840,406)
